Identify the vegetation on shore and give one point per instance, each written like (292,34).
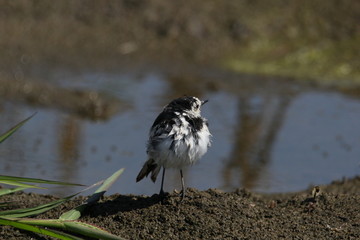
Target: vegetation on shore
(20,218)
(304,39)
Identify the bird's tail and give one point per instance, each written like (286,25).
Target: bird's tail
(149,167)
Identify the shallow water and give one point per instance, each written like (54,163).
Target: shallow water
(264,141)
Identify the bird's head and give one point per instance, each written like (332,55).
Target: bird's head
(189,104)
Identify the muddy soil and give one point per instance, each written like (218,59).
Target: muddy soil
(211,214)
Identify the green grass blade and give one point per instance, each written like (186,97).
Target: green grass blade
(5,191)
(37,229)
(25,212)
(5,204)
(13,129)
(72,226)
(105,186)
(90,231)
(76,212)
(36,180)
(69,235)
(19,184)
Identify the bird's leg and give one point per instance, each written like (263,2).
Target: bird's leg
(182,185)
(162,193)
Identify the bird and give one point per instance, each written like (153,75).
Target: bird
(178,138)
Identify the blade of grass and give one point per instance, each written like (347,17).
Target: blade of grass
(73,226)
(19,184)
(90,231)
(67,234)
(105,186)
(25,212)
(75,213)
(5,191)
(13,129)
(36,180)
(5,204)
(36,229)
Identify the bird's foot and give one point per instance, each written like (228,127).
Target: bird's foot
(182,195)
(162,194)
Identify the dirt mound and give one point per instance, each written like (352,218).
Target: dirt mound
(212,214)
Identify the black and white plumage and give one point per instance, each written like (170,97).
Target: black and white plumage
(178,138)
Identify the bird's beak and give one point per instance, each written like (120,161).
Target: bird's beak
(203,102)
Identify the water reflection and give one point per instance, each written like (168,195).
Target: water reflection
(69,147)
(255,133)
(266,138)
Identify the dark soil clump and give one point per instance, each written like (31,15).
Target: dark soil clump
(211,214)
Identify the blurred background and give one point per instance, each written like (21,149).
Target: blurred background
(282,79)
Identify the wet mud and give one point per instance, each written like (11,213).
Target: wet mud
(331,213)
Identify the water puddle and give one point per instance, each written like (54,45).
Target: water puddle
(263,140)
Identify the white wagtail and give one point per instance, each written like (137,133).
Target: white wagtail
(178,138)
